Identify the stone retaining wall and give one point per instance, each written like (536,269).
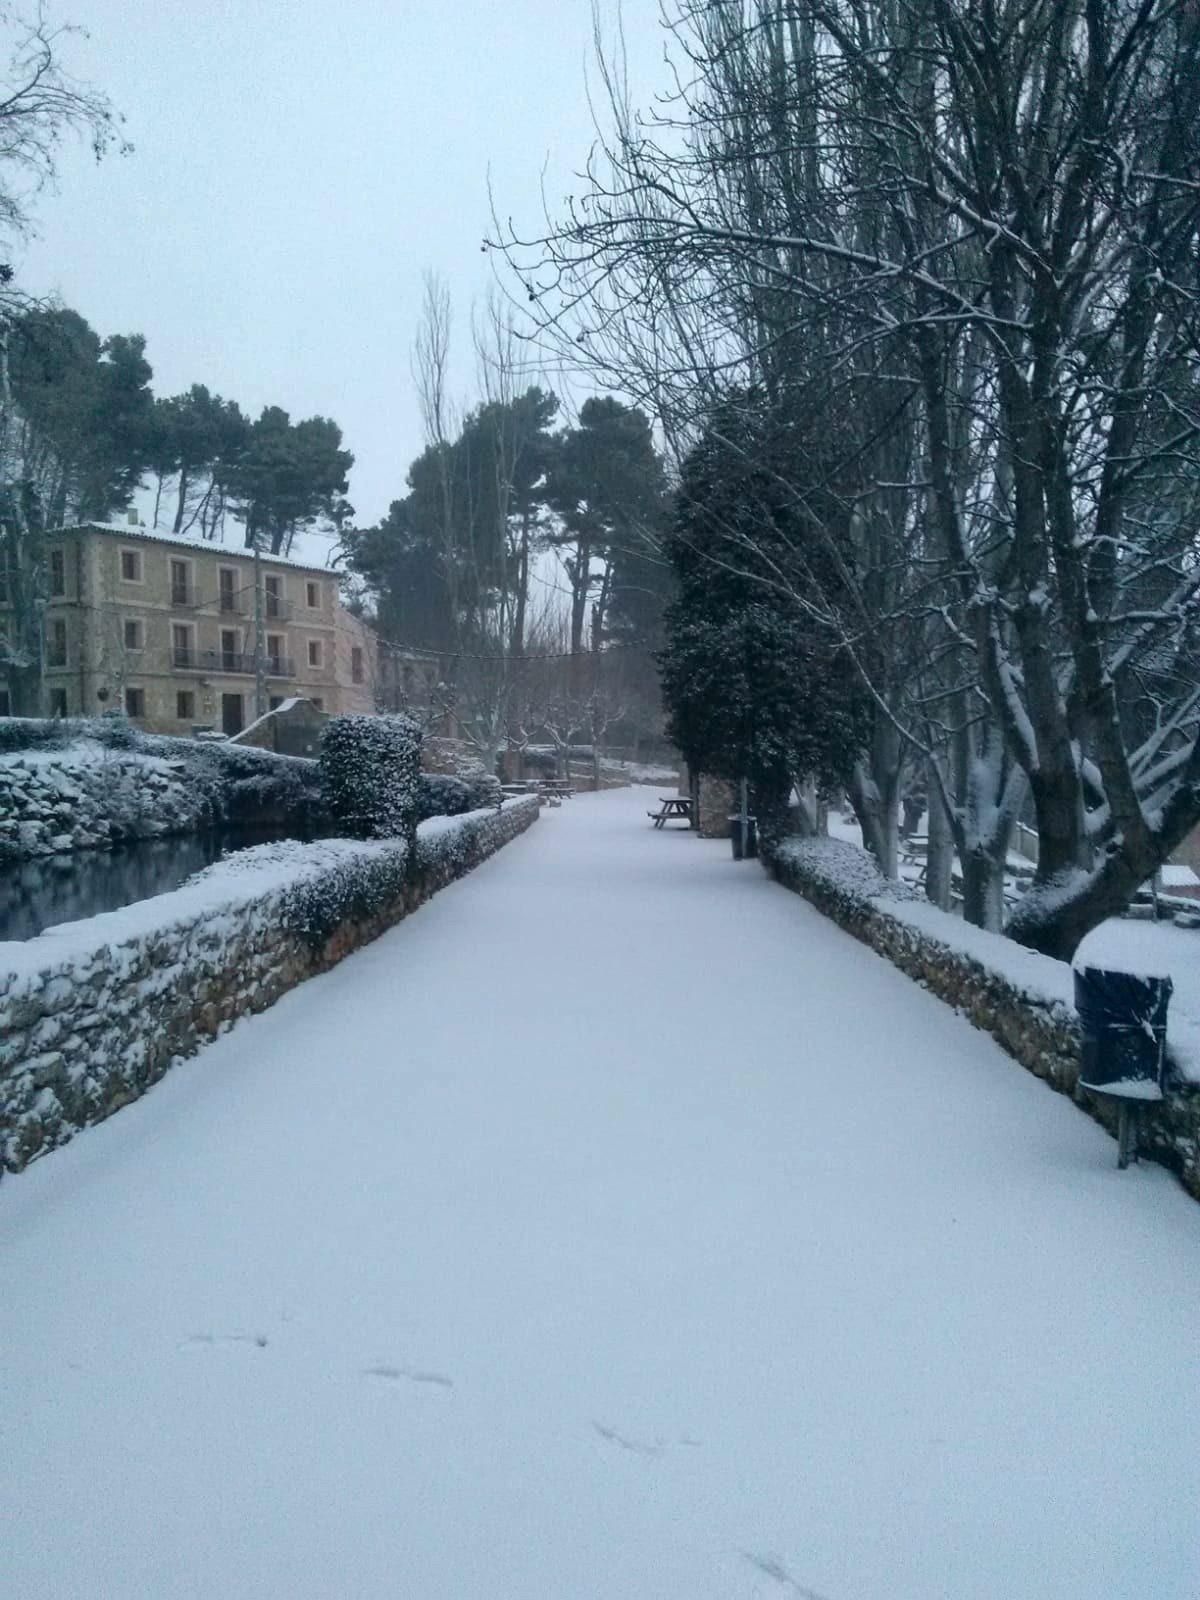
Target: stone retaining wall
(91,795)
(93,1013)
(1024,1009)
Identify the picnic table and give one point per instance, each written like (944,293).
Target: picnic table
(672,805)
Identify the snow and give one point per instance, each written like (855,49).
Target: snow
(311,550)
(615,1228)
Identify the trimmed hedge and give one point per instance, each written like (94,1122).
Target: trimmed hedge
(370,768)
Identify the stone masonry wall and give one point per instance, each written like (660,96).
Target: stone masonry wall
(93,1014)
(1040,1032)
(50,802)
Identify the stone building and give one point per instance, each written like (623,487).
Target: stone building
(163,628)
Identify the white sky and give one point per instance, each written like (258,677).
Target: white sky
(298,164)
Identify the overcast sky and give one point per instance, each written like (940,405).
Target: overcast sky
(298,164)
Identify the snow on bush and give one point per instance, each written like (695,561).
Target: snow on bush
(440,795)
(369,773)
(841,868)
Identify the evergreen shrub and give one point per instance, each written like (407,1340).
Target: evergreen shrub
(370,769)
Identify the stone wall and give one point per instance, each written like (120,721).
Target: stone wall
(108,784)
(718,802)
(1020,998)
(51,802)
(93,1013)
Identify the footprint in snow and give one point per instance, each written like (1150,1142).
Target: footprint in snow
(204,1341)
(409,1375)
(637,1447)
(772,1567)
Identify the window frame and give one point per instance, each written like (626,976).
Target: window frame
(188,630)
(139,627)
(189,581)
(138,564)
(317,664)
(135,690)
(56,565)
(180,696)
(56,633)
(312,588)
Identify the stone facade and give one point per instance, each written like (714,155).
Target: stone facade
(1041,1034)
(91,1019)
(718,802)
(163,628)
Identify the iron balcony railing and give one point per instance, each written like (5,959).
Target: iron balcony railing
(235,661)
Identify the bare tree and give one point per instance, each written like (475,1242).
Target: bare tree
(995,211)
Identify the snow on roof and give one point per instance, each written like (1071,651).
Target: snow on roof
(304,544)
(284,705)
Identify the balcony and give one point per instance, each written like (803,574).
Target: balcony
(184,597)
(276,609)
(238,662)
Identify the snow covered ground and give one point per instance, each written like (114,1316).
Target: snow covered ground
(613,1229)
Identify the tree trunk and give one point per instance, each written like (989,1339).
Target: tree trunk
(983,890)
(181,503)
(939,857)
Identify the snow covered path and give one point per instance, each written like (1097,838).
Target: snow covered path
(614,1229)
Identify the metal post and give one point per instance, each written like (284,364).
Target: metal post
(260,660)
(743,817)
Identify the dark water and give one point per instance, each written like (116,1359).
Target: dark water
(40,894)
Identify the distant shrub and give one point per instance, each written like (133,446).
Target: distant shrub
(440,795)
(369,775)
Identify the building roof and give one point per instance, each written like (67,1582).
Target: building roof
(181,542)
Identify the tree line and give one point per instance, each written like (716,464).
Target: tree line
(522,553)
(920,280)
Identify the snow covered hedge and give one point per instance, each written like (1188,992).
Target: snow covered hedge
(93,1013)
(1024,1000)
(370,768)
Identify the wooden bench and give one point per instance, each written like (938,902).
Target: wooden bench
(672,805)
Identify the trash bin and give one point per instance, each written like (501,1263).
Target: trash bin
(1124,1022)
(735,833)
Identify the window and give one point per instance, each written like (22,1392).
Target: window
(135,702)
(273,589)
(229,650)
(312,593)
(314,652)
(274,703)
(132,633)
(58,572)
(318,702)
(181,645)
(56,644)
(58,702)
(131,566)
(356,664)
(185,705)
(227,588)
(181,588)
(275,654)
(5,703)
